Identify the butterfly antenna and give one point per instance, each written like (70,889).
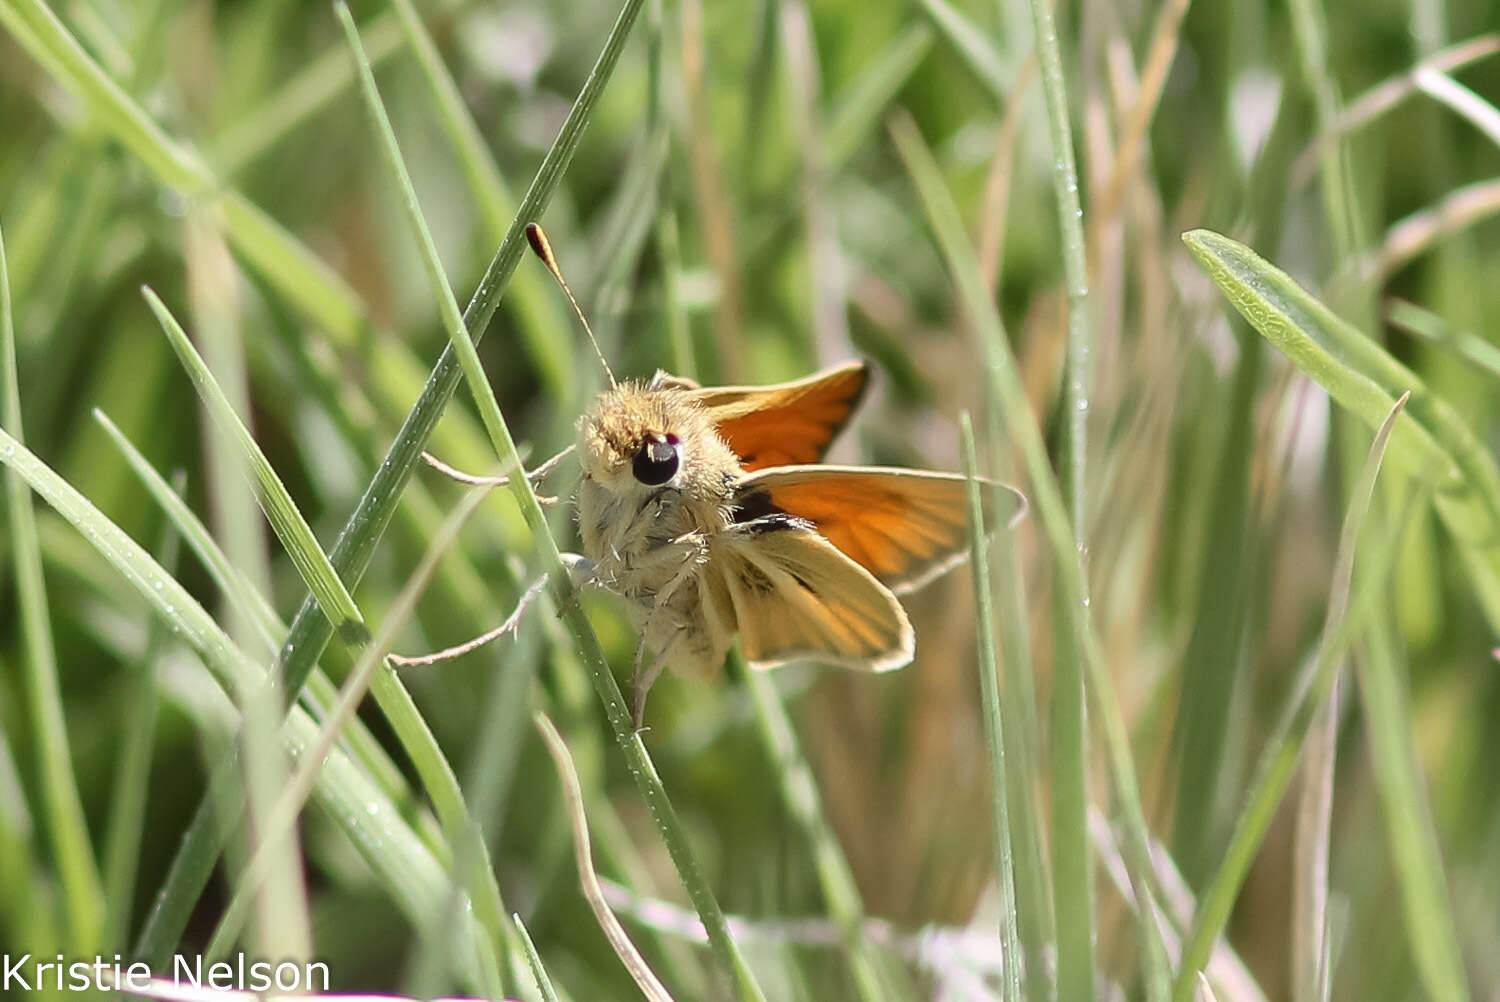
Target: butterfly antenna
(537,237)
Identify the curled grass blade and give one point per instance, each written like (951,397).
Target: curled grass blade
(83,892)
(644,978)
(994,729)
(462,346)
(1278,760)
(1435,444)
(281,511)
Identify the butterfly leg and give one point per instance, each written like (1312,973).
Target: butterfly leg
(580,572)
(478,481)
(645,678)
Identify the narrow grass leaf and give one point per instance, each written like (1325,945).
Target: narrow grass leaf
(994,729)
(1005,386)
(973,46)
(404,865)
(1435,444)
(1431,926)
(1428,325)
(644,978)
(279,820)
(543,982)
(539,316)
(310,630)
(461,344)
(281,511)
(127,809)
(83,893)
(1279,758)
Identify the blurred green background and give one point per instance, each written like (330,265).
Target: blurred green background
(737,205)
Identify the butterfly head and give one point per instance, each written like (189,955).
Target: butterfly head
(645,438)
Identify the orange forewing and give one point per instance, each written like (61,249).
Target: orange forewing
(904,526)
(785,423)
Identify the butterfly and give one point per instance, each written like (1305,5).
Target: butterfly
(708,511)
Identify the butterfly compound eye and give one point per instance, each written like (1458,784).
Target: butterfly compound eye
(657,460)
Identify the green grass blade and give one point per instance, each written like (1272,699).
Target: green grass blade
(994,728)
(540,316)
(799,792)
(1005,385)
(543,982)
(240,594)
(404,865)
(641,768)
(310,631)
(973,46)
(281,511)
(127,810)
(1073,886)
(279,820)
(857,112)
(1363,378)
(1279,758)
(82,890)
(1390,729)
(1428,325)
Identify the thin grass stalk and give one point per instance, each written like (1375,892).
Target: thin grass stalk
(373,823)
(1072,870)
(1279,758)
(539,315)
(310,632)
(127,806)
(994,728)
(278,823)
(83,892)
(1005,387)
(1431,928)
(799,793)
(1018,712)
(641,767)
(543,982)
(645,979)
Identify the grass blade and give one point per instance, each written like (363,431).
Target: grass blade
(83,893)
(461,344)
(994,731)
(1344,618)
(1362,377)
(279,820)
(281,511)
(405,866)
(127,810)
(1005,386)
(644,978)
(543,982)
(539,315)
(310,630)
(1428,913)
